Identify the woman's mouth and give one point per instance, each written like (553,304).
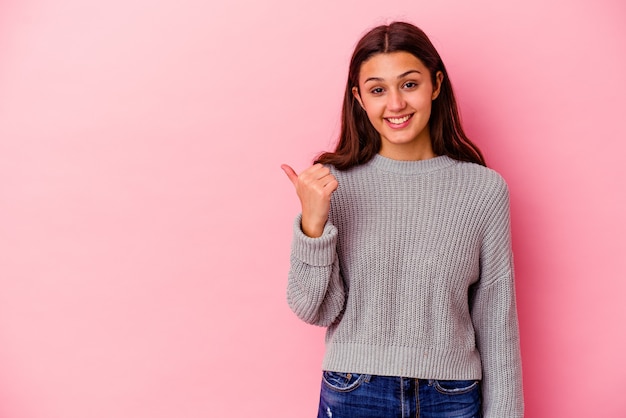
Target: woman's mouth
(398,122)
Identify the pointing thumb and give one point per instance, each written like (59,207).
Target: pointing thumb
(290,173)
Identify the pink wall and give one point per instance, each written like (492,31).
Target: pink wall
(145,222)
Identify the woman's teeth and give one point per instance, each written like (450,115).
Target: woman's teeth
(398,121)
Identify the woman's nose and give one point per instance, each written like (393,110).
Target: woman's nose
(395,101)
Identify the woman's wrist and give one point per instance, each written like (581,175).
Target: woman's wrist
(312,228)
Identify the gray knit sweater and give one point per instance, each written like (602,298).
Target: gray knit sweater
(413,277)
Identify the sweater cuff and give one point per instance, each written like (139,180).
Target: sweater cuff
(314,251)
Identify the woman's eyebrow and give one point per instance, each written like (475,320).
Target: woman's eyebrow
(409,72)
(399,77)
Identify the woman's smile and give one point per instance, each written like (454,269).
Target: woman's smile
(398,122)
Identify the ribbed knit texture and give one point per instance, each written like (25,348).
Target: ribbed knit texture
(413,277)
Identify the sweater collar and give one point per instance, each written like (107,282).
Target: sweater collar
(412,167)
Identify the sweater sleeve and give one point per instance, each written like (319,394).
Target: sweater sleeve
(494,315)
(315,289)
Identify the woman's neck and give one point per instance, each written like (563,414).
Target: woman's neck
(408,152)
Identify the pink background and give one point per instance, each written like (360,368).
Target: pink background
(145,223)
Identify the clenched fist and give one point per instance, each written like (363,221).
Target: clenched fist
(314,187)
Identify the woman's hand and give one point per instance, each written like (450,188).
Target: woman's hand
(314,187)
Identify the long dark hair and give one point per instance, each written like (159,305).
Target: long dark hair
(359,141)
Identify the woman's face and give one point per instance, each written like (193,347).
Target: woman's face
(396,91)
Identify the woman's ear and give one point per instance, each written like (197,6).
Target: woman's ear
(357,96)
(437,87)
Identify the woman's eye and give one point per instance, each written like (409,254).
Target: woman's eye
(377,90)
(410,84)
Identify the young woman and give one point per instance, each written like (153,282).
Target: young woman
(403,248)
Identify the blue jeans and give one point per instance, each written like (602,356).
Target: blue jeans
(351,395)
